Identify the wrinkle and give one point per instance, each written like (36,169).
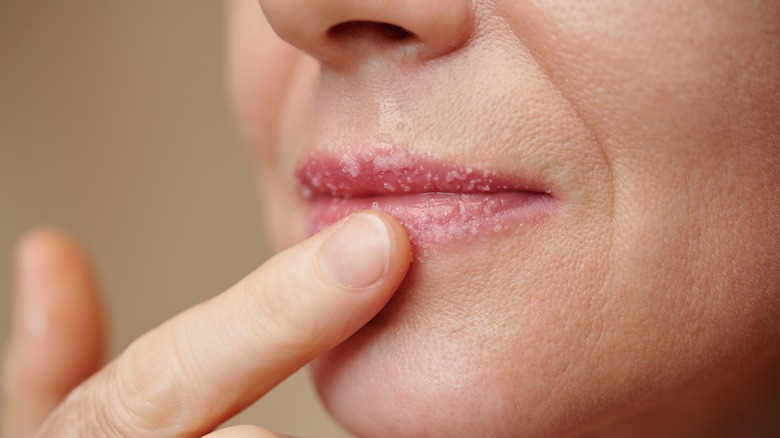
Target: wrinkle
(579,113)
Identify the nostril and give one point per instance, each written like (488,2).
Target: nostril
(371,30)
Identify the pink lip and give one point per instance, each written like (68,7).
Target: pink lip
(437,203)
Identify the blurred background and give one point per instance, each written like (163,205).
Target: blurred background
(114,125)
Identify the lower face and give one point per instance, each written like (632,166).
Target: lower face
(630,253)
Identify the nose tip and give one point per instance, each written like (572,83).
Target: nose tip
(340,31)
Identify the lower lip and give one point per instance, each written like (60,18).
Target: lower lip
(434,219)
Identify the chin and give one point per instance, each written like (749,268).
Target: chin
(425,366)
(375,393)
(457,352)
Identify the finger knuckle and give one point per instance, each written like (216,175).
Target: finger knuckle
(89,411)
(147,395)
(279,328)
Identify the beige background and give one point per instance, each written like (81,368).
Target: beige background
(114,125)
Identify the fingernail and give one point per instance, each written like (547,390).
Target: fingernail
(357,254)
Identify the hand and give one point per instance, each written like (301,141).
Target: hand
(203,366)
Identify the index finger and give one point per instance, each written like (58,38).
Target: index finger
(206,364)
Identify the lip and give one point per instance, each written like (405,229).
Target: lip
(438,203)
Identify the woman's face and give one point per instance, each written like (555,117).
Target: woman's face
(609,229)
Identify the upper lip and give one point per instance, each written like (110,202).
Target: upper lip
(391,172)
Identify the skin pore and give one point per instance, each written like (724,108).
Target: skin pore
(654,125)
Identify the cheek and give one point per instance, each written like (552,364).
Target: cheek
(682,97)
(433,386)
(285,207)
(266,76)
(683,103)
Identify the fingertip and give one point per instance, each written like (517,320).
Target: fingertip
(45,238)
(56,337)
(401,247)
(57,333)
(44,252)
(365,251)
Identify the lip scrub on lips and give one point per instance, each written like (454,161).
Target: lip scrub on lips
(438,203)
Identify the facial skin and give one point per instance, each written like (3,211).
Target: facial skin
(656,128)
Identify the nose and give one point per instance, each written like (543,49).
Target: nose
(341,31)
